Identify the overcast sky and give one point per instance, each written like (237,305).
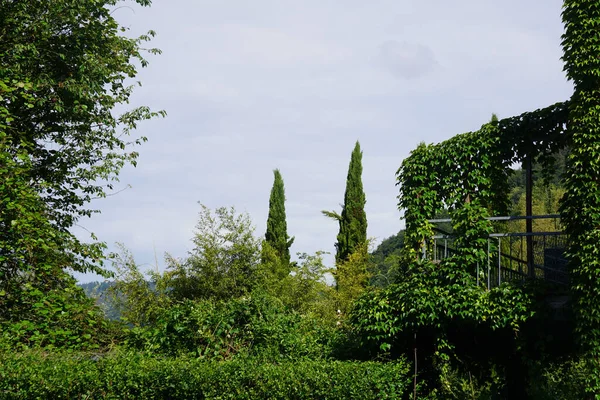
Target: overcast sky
(250,86)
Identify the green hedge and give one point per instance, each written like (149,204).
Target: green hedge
(35,375)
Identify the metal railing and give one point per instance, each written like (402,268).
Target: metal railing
(511,255)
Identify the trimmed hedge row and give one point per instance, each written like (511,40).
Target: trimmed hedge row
(35,375)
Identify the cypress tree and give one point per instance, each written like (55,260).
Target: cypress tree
(276,236)
(353,221)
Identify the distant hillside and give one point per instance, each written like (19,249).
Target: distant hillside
(95,289)
(99,291)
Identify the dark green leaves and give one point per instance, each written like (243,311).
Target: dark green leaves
(581,204)
(64,67)
(353,220)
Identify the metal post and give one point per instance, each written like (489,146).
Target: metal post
(544,256)
(510,261)
(529,212)
(521,256)
(499,260)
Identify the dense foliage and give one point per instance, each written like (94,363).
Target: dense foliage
(469,175)
(64,67)
(136,376)
(62,317)
(237,319)
(581,205)
(547,191)
(257,325)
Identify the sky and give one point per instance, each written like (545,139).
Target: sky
(250,86)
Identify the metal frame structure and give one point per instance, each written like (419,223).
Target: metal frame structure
(542,251)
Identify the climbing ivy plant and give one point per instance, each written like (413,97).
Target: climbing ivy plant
(580,208)
(468,174)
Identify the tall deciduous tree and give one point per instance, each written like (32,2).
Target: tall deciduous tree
(276,236)
(65,66)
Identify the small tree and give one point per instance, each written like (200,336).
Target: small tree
(305,289)
(225,262)
(352,276)
(137,298)
(276,236)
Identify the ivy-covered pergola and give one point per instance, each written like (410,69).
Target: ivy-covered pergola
(468,174)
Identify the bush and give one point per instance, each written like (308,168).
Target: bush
(256,325)
(62,317)
(566,379)
(305,289)
(134,375)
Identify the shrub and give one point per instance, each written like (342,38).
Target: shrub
(62,317)
(564,379)
(258,325)
(135,375)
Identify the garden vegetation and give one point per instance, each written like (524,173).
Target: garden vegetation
(237,318)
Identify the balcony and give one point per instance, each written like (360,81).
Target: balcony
(524,248)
